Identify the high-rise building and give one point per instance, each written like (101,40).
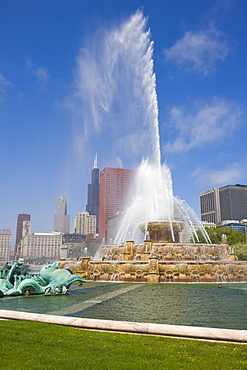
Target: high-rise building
(61,219)
(210,206)
(84,223)
(5,239)
(93,194)
(19,230)
(226,203)
(113,195)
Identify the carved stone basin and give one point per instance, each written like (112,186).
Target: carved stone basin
(163,231)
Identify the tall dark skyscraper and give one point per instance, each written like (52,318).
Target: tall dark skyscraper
(93,194)
(19,228)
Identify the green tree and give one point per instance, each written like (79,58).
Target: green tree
(199,238)
(216,235)
(240,250)
(236,237)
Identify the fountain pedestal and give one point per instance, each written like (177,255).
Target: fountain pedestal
(164,231)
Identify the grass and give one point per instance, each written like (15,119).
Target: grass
(35,345)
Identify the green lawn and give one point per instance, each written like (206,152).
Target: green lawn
(31,345)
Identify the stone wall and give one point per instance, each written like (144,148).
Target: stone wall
(155,271)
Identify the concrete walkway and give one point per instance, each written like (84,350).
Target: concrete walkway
(225,335)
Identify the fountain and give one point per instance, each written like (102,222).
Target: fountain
(160,229)
(159,260)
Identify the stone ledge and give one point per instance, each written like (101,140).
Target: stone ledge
(214,334)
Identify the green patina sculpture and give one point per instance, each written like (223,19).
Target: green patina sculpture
(15,280)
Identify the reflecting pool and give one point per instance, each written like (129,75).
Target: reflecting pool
(174,304)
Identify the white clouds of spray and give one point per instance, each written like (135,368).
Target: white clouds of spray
(115,94)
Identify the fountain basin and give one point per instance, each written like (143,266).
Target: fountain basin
(163,231)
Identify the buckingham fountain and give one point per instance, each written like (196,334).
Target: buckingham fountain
(157,237)
(160,259)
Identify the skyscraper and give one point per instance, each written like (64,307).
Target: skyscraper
(210,205)
(226,203)
(93,194)
(113,195)
(61,219)
(84,223)
(19,230)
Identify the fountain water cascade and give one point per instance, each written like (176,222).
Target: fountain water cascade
(129,51)
(156,238)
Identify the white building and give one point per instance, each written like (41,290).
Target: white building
(41,247)
(84,223)
(5,240)
(61,219)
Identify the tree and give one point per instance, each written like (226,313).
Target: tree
(240,249)
(216,235)
(236,237)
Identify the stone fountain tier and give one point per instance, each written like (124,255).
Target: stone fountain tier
(163,262)
(131,251)
(163,231)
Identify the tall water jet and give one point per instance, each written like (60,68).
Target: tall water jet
(116,94)
(120,98)
(151,197)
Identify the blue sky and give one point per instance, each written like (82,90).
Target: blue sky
(50,54)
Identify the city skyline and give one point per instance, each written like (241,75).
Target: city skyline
(200,66)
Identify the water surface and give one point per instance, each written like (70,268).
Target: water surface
(173,304)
